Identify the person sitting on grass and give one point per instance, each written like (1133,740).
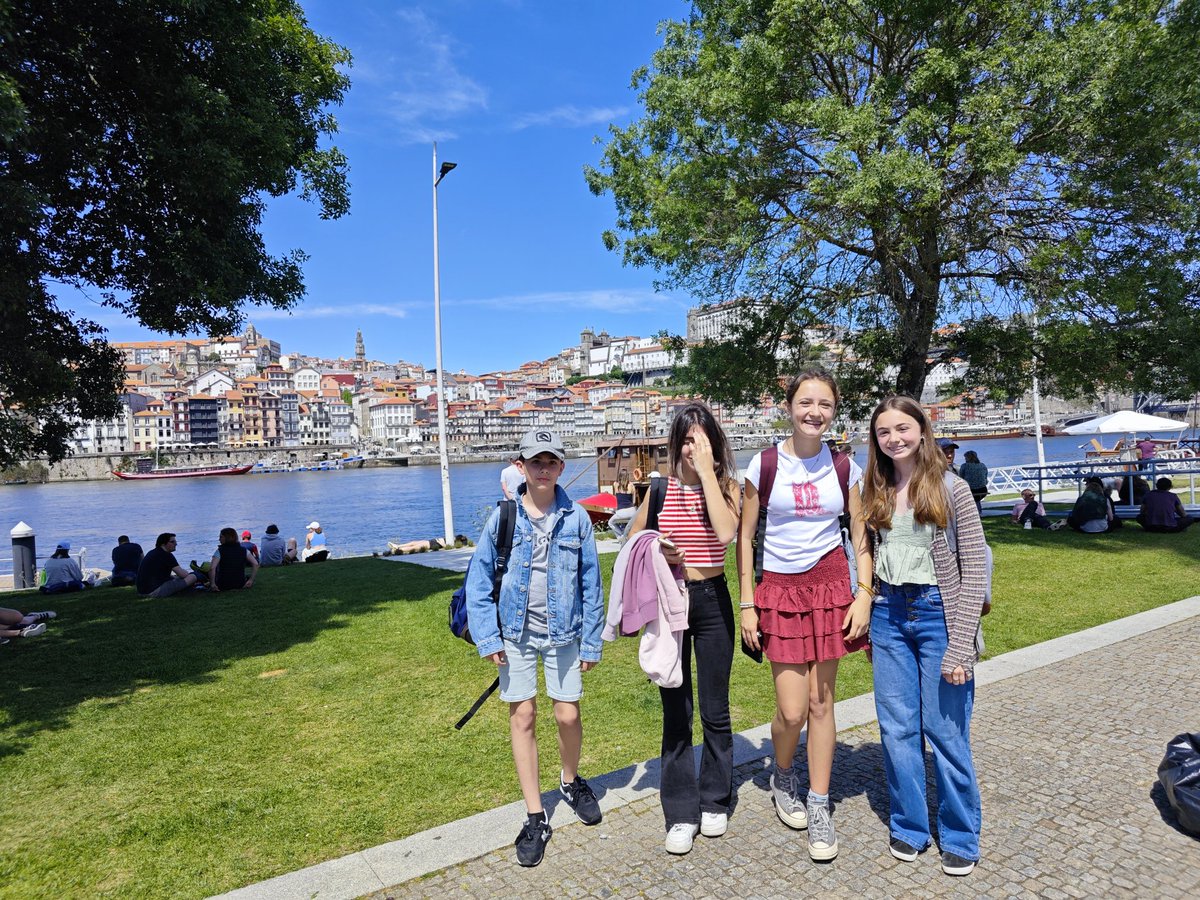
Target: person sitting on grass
(316,547)
(63,574)
(228,569)
(1162,511)
(275,550)
(126,557)
(18,624)
(160,574)
(1093,512)
(1030,510)
(248,544)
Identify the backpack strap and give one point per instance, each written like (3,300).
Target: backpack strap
(504,543)
(768,465)
(658,496)
(841,465)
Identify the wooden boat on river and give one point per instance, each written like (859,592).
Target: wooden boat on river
(638,456)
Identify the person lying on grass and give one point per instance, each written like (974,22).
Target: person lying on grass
(14,623)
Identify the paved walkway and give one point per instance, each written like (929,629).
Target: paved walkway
(1068,736)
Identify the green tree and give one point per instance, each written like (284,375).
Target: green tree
(888,167)
(139,141)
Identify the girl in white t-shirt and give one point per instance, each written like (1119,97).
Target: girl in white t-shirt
(805,615)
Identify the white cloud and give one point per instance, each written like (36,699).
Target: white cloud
(570,116)
(433,91)
(327,311)
(614,301)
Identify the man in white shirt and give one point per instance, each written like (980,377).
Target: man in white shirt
(511,479)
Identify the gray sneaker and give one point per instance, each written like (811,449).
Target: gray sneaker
(788,806)
(822,839)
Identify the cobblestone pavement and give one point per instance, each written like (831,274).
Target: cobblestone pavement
(1067,757)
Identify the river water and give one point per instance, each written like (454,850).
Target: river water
(360,510)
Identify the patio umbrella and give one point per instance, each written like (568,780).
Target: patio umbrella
(1125,422)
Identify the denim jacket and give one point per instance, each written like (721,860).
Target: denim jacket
(574,602)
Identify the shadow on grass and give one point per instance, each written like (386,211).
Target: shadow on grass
(109,642)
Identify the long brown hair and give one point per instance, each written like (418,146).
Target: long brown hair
(926,489)
(697,413)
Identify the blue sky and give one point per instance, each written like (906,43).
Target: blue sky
(514,91)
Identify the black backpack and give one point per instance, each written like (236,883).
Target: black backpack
(458,602)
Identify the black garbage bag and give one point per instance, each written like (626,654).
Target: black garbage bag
(1179,774)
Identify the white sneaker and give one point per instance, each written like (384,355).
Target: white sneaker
(680,837)
(33,630)
(713,824)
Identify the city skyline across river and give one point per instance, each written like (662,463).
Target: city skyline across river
(360,510)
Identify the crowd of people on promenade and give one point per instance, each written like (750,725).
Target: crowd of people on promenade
(834,557)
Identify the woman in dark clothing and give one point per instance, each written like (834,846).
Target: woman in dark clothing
(228,572)
(975,474)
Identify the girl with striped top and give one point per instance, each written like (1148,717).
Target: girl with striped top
(698,520)
(805,615)
(923,628)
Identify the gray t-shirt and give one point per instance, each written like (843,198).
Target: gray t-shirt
(535,610)
(512,479)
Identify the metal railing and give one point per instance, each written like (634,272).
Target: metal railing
(1072,475)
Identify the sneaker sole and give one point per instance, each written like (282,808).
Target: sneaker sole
(958,870)
(823,854)
(799,823)
(903,857)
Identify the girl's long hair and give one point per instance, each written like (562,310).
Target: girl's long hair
(228,536)
(697,413)
(926,488)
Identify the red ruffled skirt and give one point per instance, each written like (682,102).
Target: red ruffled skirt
(801,615)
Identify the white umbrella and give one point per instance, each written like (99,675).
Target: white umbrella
(1125,422)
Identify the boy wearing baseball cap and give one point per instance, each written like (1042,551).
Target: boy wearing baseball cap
(551,608)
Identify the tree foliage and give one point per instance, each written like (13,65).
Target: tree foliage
(139,141)
(890,167)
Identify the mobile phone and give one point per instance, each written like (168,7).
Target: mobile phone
(756,655)
(666,542)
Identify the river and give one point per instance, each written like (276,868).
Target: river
(360,510)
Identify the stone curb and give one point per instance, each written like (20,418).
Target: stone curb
(390,864)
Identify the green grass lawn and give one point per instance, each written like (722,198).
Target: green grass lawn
(184,747)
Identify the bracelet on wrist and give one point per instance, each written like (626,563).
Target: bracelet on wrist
(745,606)
(866,587)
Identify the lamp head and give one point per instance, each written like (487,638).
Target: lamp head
(445,168)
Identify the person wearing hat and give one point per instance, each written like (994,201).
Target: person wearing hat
(249,546)
(947,446)
(62,573)
(316,548)
(275,550)
(550,608)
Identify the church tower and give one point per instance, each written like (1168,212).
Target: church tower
(360,352)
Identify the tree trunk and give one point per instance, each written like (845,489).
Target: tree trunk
(917,317)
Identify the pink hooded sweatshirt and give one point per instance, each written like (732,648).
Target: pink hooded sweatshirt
(648,592)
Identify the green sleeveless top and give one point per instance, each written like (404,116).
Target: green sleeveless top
(906,552)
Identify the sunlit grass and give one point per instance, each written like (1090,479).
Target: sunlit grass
(183,747)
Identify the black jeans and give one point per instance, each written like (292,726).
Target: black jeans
(1030,514)
(710,632)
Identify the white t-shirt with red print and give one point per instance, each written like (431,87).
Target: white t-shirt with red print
(802,511)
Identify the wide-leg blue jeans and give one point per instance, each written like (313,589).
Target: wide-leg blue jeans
(916,705)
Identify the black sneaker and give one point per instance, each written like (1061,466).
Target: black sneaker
(581,799)
(903,851)
(953,864)
(531,842)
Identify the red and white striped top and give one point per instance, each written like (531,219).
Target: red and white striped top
(685,516)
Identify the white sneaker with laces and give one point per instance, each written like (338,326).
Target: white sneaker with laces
(681,836)
(33,630)
(713,824)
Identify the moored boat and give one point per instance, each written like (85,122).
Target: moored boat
(188,472)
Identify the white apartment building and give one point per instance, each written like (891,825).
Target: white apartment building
(393,422)
(718,321)
(306,379)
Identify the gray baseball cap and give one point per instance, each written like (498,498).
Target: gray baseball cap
(540,440)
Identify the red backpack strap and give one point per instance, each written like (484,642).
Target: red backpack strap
(841,464)
(768,465)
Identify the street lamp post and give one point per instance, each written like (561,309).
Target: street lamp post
(447,510)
